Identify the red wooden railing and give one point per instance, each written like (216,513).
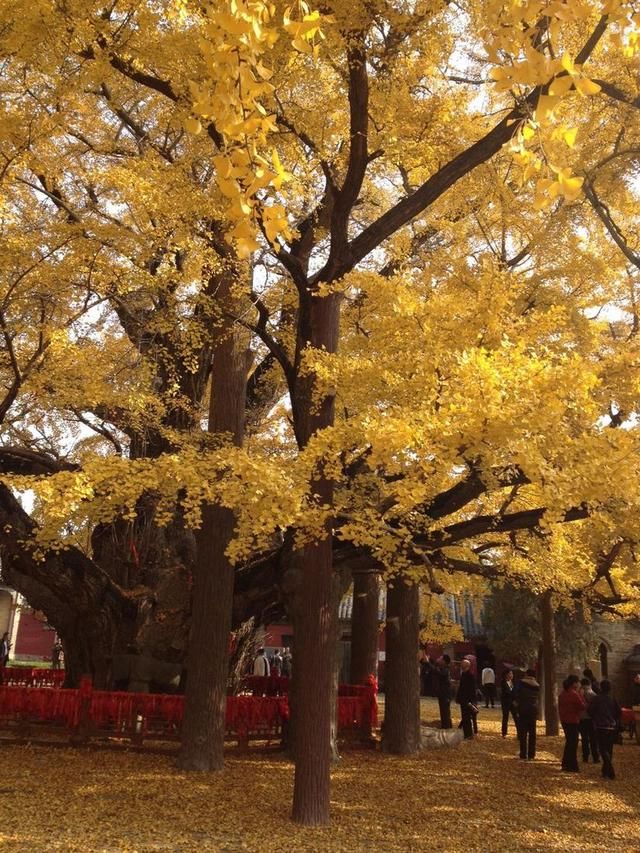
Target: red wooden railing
(85,713)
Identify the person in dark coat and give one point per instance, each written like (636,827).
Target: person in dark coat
(466,698)
(605,713)
(507,689)
(635,690)
(525,702)
(441,678)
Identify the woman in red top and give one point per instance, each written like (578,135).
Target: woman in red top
(570,707)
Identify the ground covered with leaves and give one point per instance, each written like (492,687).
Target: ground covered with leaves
(478,796)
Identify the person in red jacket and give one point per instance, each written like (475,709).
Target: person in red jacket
(570,707)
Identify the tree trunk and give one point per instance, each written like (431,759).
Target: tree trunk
(549,663)
(314,605)
(207,662)
(364,626)
(401,731)
(315,632)
(541,680)
(90,612)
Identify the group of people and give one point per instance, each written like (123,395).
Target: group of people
(588,712)
(277,664)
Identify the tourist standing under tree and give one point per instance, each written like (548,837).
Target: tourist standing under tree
(525,702)
(441,677)
(5,648)
(261,664)
(466,698)
(570,708)
(587,729)
(507,689)
(488,679)
(605,713)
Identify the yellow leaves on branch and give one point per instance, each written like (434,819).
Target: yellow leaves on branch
(234,100)
(534,44)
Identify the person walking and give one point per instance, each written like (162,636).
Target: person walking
(570,708)
(286,663)
(605,714)
(588,738)
(466,698)
(525,701)
(441,678)
(507,688)
(5,648)
(488,679)
(261,664)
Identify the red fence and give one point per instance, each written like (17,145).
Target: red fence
(86,713)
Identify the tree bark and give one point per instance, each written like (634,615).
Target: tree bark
(315,602)
(549,664)
(401,731)
(203,729)
(207,661)
(364,626)
(315,632)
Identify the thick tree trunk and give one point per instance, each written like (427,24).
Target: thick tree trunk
(315,603)
(549,657)
(204,720)
(92,614)
(315,632)
(365,627)
(207,662)
(401,731)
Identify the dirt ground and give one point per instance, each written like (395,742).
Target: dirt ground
(475,797)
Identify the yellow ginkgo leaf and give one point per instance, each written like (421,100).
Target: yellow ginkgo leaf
(561,85)
(567,63)
(586,87)
(192,125)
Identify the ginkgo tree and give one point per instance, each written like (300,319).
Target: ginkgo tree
(407,244)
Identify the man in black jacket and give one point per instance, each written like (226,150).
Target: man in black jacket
(442,682)
(525,701)
(605,713)
(466,698)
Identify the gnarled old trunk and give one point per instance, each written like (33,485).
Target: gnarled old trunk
(93,615)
